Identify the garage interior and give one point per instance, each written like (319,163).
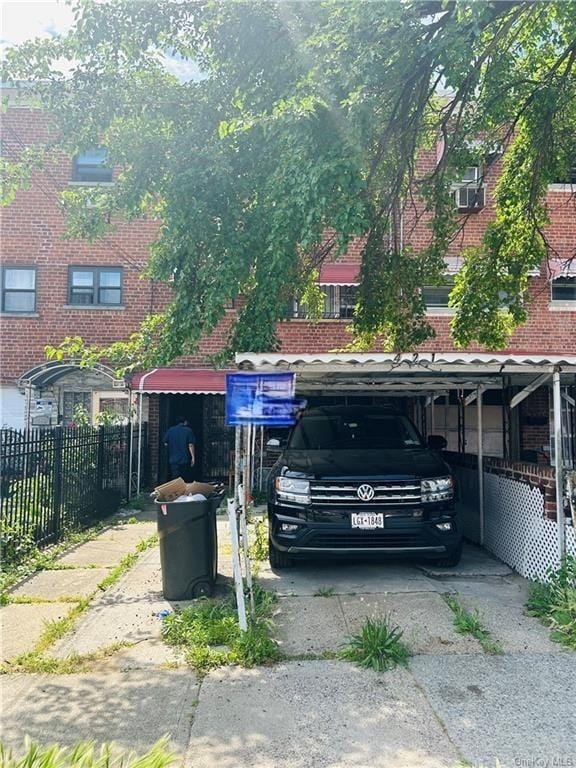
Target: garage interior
(509,494)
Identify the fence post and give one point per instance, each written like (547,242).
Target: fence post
(57,483)
(128,458)
(100,461)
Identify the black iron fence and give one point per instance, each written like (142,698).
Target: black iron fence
(63,478)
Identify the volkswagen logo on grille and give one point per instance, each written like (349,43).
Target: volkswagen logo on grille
(365,492)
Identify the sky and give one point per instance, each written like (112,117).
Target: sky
(22,20)
(26,19)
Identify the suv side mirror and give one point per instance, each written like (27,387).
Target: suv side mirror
(437,442)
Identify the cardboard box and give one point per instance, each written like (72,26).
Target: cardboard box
(171,490)
(175,488)
(205,488)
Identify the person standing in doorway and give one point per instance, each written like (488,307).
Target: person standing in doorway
(181,444)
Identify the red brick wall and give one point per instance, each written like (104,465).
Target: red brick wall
(32,229)
(536,407)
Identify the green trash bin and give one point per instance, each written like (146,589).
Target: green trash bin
(188,547)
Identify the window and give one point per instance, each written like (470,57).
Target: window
(90,167)
(100,286)
(71,401)
(19,289)
(437,295)
(339,302)
(471,175)
(569,177)
(564,289)
(469,192)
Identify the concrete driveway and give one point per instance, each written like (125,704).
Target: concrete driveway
(454,705)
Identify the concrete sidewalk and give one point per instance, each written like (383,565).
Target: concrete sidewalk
(453,704)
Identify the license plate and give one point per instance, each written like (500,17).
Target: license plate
(367,520)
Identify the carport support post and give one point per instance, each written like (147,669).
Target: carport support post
(480,430)
(139,443)
(559,463)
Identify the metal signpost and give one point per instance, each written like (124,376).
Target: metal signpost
(252,400)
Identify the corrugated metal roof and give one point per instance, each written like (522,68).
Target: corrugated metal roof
(415,358)
(190,381)
(388,370)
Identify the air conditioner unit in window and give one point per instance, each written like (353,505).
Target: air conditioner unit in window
(118,384)
(469,197)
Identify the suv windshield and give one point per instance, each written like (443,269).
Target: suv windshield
(329,431)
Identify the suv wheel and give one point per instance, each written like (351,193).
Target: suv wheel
(277,558)
(451,559)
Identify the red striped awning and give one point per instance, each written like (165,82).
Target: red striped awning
(181,381)
(339,274)
(562,268)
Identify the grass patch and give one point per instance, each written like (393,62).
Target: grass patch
(137,503)
(74,663)
(378,646)
(127,562)
(42,560)
(210,636)
(470,623)
(25,600)
(55,630)
(325,592)
(86,755)
(554,602)
(35,661)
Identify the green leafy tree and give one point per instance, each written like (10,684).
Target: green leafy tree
(302,130)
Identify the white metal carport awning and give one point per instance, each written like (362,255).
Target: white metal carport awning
(414,373)
(427,372)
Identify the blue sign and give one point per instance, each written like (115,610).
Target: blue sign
(263,399)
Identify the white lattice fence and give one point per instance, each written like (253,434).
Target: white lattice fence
(516,530)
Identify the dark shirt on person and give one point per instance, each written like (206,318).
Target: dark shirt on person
(178,438)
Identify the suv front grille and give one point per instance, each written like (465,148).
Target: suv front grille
(393,492)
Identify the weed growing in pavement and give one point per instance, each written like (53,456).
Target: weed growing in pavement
(86,755)
(127,562)
(324,592)
(378,646)
(470,623)
(55,630)
(209,633)
(554,602)
(258,548)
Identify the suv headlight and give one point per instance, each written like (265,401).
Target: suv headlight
(437,489)
(292,489)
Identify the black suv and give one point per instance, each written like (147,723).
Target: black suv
(358,480)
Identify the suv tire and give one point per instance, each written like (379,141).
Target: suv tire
(451,559)
(278,559)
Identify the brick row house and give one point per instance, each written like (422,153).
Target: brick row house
(54,287)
